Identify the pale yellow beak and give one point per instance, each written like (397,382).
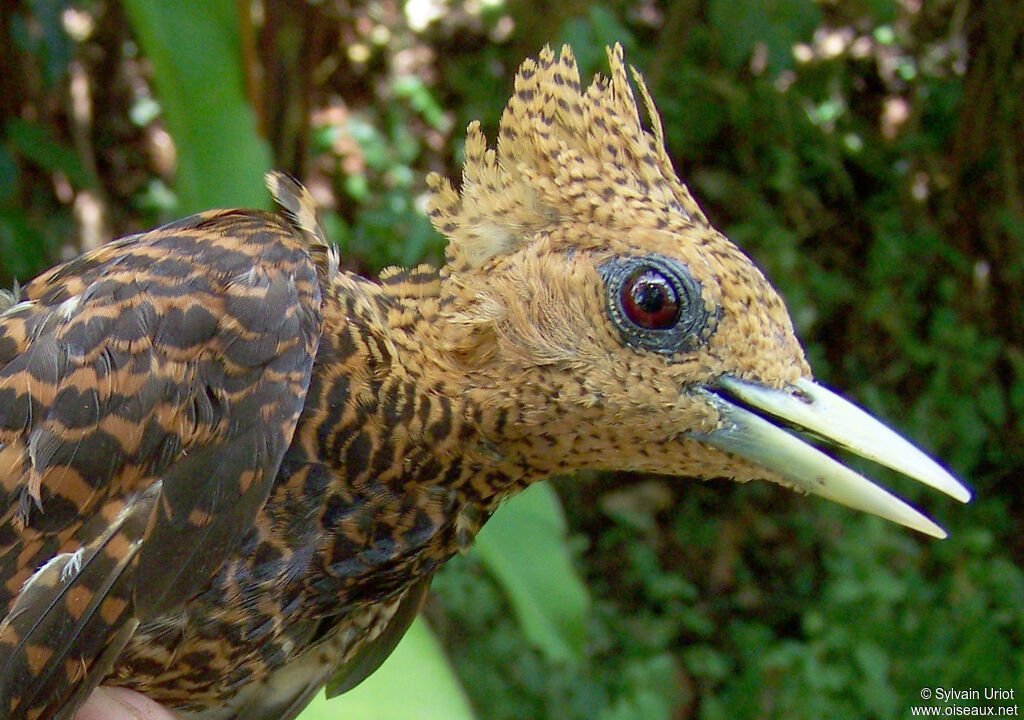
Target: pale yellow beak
(748,428)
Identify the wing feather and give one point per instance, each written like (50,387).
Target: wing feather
(148,391)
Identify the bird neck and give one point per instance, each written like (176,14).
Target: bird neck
(396,407)
(414,427)
(501,424)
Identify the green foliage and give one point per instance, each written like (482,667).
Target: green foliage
(523,545)
(871,636)
(198,74)
(37,145)
(385,192)
(742,26)
(22,245)
(414,682)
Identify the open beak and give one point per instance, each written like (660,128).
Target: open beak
(749,412)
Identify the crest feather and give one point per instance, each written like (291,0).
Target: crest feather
(563,153)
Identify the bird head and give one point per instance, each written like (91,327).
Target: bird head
(610,326)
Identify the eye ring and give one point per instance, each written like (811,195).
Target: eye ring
(656,304)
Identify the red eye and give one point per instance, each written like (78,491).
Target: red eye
(649,300)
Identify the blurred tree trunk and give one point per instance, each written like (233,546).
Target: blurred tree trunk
(988,152)
(10,60)
(987,209)
(290,44)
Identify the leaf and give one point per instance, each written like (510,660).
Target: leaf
(38,144)
(778,25)
(197,70)
(524,546)
(415,683)
(22,249)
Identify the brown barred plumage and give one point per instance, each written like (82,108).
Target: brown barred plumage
(228,470)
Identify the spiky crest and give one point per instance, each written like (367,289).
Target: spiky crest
(563,154)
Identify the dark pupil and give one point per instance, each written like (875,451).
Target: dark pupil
(650,300)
